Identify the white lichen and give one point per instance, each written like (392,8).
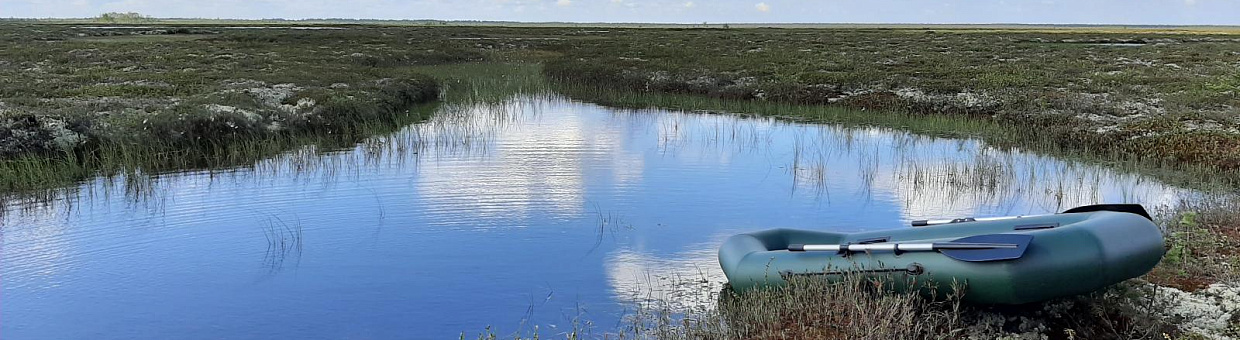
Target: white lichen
(973,99)
(962,99)
(1135,62)
(274,95)
(1207,312)
(242,83)
(250,116)
(141,82)
(702,81)
(62,137)
(303,105)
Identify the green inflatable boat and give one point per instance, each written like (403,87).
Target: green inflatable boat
(1002,260)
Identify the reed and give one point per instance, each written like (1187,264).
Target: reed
(1006,136)
(283,240)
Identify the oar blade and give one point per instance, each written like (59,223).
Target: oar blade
(990,254)
(1128,208)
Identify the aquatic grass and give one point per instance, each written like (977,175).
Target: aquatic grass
(487,82)
(918,167)
(392,139)
(461,128)
(283,240)
(1069,101)
(609,223)
(38,181)
(1004,136)
(809,169)
(197,140)
(864,307)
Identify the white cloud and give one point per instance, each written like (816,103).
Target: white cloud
(763,7)
(564,3)
(689,4)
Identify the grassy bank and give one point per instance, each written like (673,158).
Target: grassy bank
(1163,98)
(1163,103)
(74,103)
(860,309)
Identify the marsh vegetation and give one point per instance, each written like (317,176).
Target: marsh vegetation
(1165,105)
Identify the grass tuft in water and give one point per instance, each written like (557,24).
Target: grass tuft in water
(283,240)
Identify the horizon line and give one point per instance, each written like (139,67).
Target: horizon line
(635,23)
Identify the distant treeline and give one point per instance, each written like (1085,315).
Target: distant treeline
(124,17)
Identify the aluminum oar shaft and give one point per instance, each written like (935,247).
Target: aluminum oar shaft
(898,247)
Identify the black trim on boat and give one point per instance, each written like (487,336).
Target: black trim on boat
(1036,226)
(875,240)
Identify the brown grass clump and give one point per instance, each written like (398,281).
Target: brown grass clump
(854,308)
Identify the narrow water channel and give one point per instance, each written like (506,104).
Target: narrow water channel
(532,211)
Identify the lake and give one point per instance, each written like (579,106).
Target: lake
(534,210)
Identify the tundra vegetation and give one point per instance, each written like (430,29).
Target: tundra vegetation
(78,101)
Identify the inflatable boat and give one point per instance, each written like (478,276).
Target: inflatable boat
(1003,260)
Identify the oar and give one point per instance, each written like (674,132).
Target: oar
(1127,208)
(980,248)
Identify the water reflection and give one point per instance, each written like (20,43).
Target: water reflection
(688,278)
(539,166)
(455,223)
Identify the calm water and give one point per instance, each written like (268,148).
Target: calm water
(539,211)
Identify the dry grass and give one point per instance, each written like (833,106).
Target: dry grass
(864,308)
(1203,241)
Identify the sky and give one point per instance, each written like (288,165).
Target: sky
(1159,12)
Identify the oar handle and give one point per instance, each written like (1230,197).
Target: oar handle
(924,223)
(814,247)
(896,247)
